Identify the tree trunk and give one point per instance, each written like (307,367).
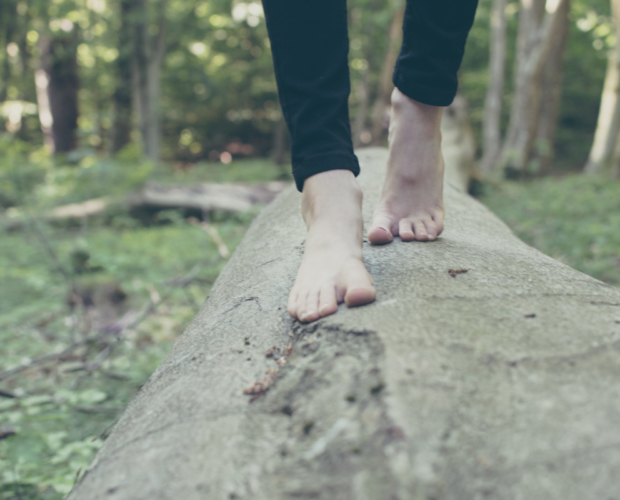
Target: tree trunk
(385,86)
(551,93)
(148,57)
(123,105)
(458,144)
(57,88)
(608,127)
(539,23)
(7,28)
(43,103)
(493,104)
(363,98)
(484,369)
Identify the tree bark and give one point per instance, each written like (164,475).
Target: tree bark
(492,135)
(363,98)
(148,57)
(57,88)
(458,144)
(539,23)
(607,132)
(8,29)
(43,103)
(123,103)
(385,86)
(551,93)
(493,382)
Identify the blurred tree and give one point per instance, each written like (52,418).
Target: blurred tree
(121,129)
(7,32)
(212,70)
(148,53)
(551,93)
(492,134)
(385,85)
(540,23)
(58,78)
(605,153)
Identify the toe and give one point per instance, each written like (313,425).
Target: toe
(404,230)
(327,301)
(300,313)
(291,307)
(380,231)
(359,289)
(420,230)
(431,229)
(359,295)
(311,312)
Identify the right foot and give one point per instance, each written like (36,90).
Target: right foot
(411,203)
(332,269)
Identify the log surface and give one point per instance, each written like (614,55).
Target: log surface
(500,382)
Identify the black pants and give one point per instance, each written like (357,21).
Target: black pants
(310,46)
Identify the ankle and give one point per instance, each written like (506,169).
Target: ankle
(429,117)
(334,192)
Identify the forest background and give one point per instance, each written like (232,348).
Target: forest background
(104,103)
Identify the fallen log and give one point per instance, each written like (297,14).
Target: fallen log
(237,197)
(484,369)
(206,197)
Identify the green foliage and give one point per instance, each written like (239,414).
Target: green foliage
(65,409)
(218,89)
(574,219)
(61,285)
(35,179)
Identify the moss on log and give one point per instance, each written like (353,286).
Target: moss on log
(485,369)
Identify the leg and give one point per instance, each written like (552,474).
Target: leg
(310,44)
(425,76)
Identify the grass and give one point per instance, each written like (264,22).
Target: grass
(61,284)
(574,219)
(62,409)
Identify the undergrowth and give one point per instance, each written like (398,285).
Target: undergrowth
(574,219)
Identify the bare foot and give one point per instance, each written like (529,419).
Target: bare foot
(411,204)
(332,269)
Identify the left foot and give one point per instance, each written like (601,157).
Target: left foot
(411,203)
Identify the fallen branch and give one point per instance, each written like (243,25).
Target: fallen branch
(211,231)
(202,197)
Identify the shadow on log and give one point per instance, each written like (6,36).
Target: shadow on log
(485,369)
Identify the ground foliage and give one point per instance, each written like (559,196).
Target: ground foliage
(574,219)
(127,286)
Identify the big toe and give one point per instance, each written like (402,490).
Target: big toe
(380,230)
(379,236)
(358,286)
(360,295)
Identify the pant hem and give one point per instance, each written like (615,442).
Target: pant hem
(323,163)
(432,97)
